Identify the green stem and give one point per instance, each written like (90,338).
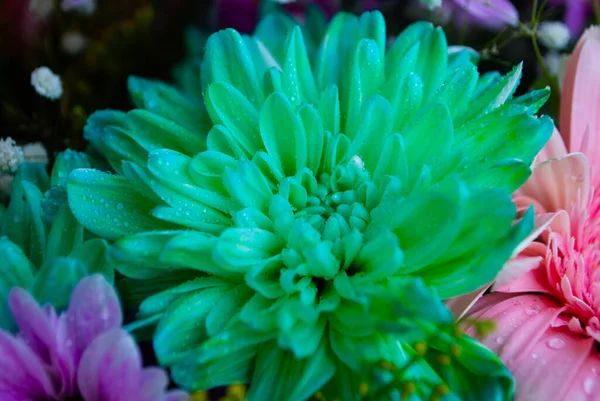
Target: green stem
(596,7)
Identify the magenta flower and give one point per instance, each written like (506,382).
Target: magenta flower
(547,302)
(491,14)
(82,353)
(576,13)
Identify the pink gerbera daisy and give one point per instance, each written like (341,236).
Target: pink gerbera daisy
(546,303)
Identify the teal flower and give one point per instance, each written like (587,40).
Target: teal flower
(42,247)
(300,219)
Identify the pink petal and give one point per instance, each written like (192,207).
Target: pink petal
(553,149)
(534,280)
(516,268)
(110,368)
(549,370)
(520,321)
(22,372)
(93,309)
(556,221)
(581,95)
(461,305)
(556,183)
(585,386)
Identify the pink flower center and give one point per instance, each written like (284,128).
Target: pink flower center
(573,266)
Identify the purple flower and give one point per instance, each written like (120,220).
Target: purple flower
(576,12)
(491,14)
(82,353)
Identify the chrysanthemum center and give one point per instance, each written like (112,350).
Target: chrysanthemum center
(329,216)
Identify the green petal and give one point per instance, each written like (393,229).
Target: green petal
(270,31)
(108,131)
(494,96)
(227,60)
(65,234)
(424,224)
(278,375)
(66,162)
(166,101)
(460,276)
(227,106)
(56,279)
(329,109)
(108,206)
(457,90)
(364,78)
(476,373)
(282,133)
(220,361)
(94,255)
(182,327)
(15,271)
(299,82)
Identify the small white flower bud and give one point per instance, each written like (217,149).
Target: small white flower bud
(35,153)
(73,42)
(46,83)
(41,9)
(11,155)
(554,35)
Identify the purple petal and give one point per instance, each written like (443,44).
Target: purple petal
(493,14)
(22,373)
(94,308)
(41,331)
(111,368)
(177,395)
(575,15)
(153,384)
(35,327)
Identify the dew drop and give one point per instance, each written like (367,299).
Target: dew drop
(588,386)
(535,356)
(500,340)
(120,206)
(556,343)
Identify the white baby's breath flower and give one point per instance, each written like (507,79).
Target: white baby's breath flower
(554,35)
(11,155)
(557,66)
(41,9)
(73,42)
(35,153)
(46,83)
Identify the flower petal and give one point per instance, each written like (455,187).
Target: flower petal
(94,308)
(581,95)
(554,148)
(558,183)
(22,373)
(111,369)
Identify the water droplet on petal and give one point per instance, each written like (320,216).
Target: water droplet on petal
(500,340)
(535,356)
(556,343)
(588,386)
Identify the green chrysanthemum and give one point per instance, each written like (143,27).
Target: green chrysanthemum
(42,247)
(298,195)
